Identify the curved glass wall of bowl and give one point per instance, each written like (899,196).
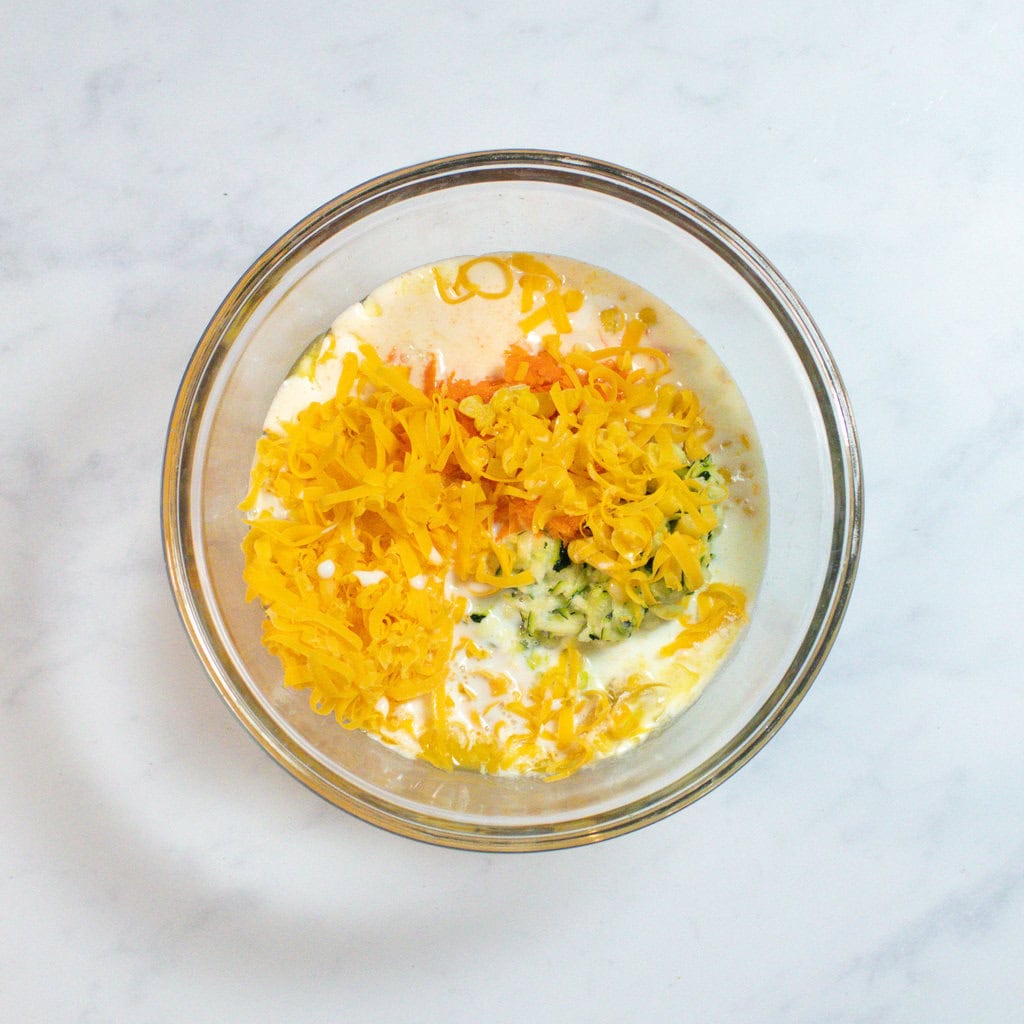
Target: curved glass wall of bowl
(643,231)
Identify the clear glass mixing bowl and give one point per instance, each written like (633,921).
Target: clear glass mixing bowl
(643,231)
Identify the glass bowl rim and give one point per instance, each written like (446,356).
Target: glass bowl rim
(623,184)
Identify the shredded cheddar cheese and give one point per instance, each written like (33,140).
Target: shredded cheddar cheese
(370,511)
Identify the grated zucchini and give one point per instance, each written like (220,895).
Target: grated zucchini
(576,601)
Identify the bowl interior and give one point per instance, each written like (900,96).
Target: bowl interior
(642,232)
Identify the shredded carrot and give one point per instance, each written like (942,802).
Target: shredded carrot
(430,375)
(516,514)
(563,527)
(537,370)
(458,389)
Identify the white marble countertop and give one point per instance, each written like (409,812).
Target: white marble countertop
(156,865)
